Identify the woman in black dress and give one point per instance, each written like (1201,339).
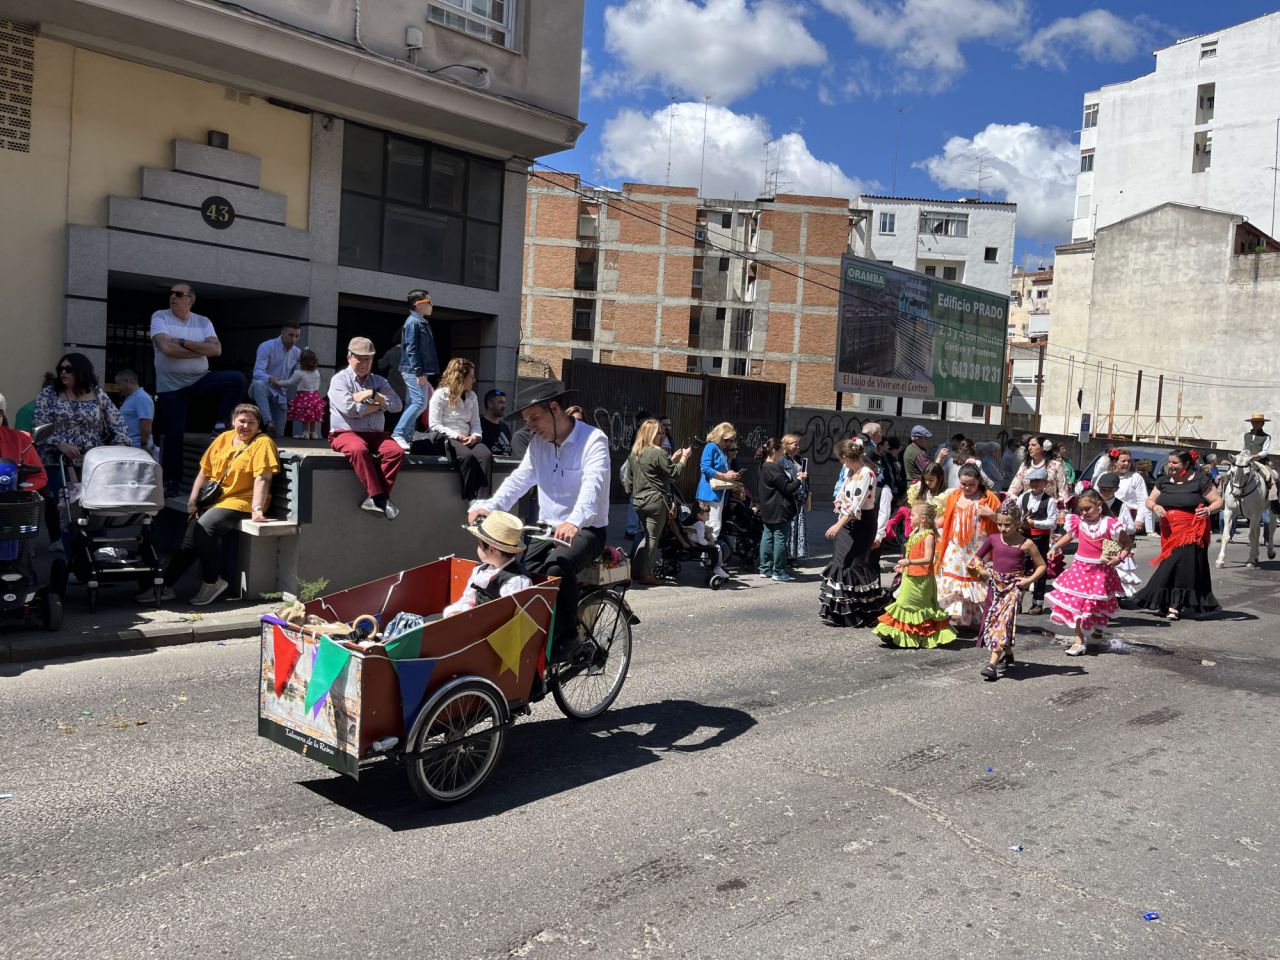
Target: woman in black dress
(1182,502)
(851,595)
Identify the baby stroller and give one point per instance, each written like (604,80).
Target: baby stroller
(675,548)
(741,530)
(121,488)
(21,508)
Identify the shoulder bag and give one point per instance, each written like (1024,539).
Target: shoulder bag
(211,492)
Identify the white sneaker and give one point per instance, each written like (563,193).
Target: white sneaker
(720,571)
(209,592)
(371,507)
(390,511)
(401,442)
(148,595)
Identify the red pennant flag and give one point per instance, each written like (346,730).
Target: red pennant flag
(286,656)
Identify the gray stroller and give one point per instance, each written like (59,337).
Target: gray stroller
(109,516)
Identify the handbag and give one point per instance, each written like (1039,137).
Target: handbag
(211,492)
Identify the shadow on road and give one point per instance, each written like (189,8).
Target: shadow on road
(542,759)
(1031,670)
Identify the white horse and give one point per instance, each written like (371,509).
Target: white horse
(1245,495)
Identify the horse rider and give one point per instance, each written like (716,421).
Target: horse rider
(1257,443)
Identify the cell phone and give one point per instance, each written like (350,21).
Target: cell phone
(804,464)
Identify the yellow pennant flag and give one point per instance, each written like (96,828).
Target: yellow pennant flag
(509,639)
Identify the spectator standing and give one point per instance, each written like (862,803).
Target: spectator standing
(418,361)
(1011,460)
(137,409)
(455,413)
(184,341)
(495,432)
(667,443)
(778,492)
(894,475)
(797,535)
(275,363)
(652,471)
(987,453)
(358,399)
(915,458)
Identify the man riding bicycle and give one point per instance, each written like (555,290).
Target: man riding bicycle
(1257,443)
(568,461)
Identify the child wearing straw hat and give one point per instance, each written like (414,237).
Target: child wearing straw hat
(500,572)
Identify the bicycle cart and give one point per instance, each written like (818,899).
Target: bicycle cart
(438,697)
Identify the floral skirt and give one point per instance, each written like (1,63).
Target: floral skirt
(959,592)
(1000,615)
(914,619)
(851,595)
(306,406)
(1086,596)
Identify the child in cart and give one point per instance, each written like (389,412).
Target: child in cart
(500,572)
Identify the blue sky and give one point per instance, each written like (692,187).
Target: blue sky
(816,91)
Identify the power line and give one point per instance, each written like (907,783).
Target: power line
(617,201)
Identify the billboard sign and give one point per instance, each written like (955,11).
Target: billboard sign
(912,335)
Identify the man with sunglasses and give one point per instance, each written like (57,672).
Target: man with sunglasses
(494,431)
(184,341)
(418,361)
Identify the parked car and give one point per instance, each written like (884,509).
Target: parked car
(1149,462)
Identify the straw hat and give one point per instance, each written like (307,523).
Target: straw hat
(500,530)
(1256,417)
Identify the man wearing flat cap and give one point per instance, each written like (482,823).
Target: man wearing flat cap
(568,461)
(358,398)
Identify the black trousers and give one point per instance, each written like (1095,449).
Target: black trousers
(566,561)
(474,466)
(203,542)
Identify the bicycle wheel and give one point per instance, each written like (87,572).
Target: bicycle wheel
(459,740)
(586,687)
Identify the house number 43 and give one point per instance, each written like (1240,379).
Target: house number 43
(218,212)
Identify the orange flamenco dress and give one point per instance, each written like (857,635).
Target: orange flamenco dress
(960,593)
(914,619)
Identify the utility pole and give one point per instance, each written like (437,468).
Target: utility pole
(706,106)
(1039,384)
(897,142)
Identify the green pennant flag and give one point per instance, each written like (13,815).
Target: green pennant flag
(407,646)
(331,659)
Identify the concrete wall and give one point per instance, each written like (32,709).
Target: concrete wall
(1144,140)
(541,67)
(1163,293)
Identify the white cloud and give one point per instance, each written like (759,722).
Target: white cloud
(718,48)
(634,147)
(925,36)
(1097,33)
(1035,167)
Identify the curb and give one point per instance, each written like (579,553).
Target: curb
(53,646)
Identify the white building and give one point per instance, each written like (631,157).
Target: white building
(1203,130)
(963,241)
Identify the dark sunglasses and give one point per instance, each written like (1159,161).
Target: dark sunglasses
(65,368)
(178,293)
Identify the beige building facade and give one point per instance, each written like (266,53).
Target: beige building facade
(658,277)
(289,163)
(1164,328)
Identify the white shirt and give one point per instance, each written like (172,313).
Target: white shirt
(1133,489)
(884,513)
(572,479)
(481,577)
(304,381)
(455,419)
(1032,504)
(174,373)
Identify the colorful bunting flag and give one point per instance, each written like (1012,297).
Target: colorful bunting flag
(509,639)
(407,646)
(331,659)
(414,676)
(286,657)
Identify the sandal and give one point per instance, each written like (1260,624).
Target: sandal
(1172,615)
(1077,650)
(1036,611)
(989,673)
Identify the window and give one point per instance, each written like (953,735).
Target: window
(697,278)
(417,209)
(489,20)
(724,264)
(1204,103)
(584,275)
(931,270)
(720,311)
(1209,50)
(1203,152)
(1082,206)
(928,408)
(695,324)
(978,410)
(875,403)
(991,255)
(740,330)
(726,220)
(1086,162)
(717,363)
(582,322)
(888,221)
(949,273)
(1042,294)
(739,368)
(691,364)
(1090,116)
(945,224)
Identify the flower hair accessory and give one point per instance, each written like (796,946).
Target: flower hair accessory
(1113,453)
(1194,456)
(1047,445)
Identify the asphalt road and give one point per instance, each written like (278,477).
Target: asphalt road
(764,787)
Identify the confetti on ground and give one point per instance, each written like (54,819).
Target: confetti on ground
(1151,916)
(1016,848)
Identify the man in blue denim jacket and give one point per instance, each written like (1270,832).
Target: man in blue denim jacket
(418,360)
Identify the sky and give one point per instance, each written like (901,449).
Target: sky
(923,98)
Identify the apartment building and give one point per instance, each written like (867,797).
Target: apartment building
(1203,129)
(658,277)
(305,161)
(1030,304)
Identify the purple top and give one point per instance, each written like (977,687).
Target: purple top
(1004,558)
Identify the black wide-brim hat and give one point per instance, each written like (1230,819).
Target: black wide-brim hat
(542,392)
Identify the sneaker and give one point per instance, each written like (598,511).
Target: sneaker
(390,511)
(402,443)
(371,507)
(209,592)
(149,595)
(989,673)
(720,571)
(783,577)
